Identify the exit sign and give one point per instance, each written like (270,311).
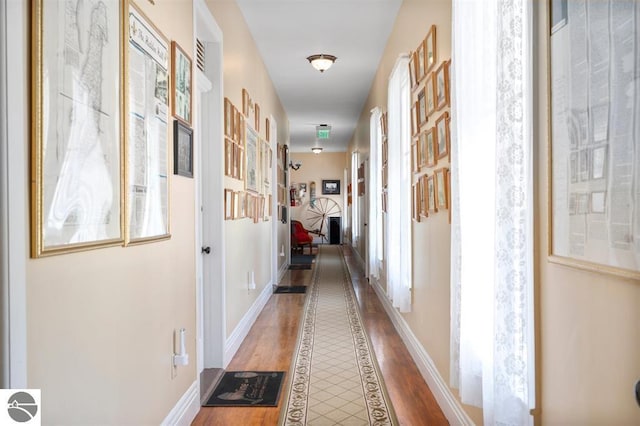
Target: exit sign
(323,134)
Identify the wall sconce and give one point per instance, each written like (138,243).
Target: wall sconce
(296,165)
(322,62)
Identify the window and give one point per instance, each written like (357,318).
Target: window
(398,230)
(375,202)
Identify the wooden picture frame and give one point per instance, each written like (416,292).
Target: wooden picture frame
(430,94)
(228,204)
(430,55)
(256,108)
(420,61)
(412,71)
(415,156)
(415,120)
(246,103)
(181,82)
(229,118)
(442,136)
(424,204)
(442,192)
(422,108)
(330,186)
(182,149)
(430,148)
(415,202)
(236,205)
(441,81)
(431,193)
(229,148)
(267,130)
(77,180)
(422,150)
(252,161)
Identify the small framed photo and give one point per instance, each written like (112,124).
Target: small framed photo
(424,208)
(422,150)
(430,148)
(181,83)
(229,118)
(430,56)
(422,107)
(331,187)
(420,68)
(442,135)
(415,156)
(182,149)
(412,70)
(430,94)
(229,148)
(442,194)
(228,204)
(415,127)
(238,127)
(431,194)
(442,85)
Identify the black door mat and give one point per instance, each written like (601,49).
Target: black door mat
(291,289)
(247,389)
(298,267)
(302,259)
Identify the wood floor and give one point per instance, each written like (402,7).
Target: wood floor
(272,340)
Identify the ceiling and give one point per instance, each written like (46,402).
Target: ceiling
(288,31)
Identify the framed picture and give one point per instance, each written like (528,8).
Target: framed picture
(430,187)
(251,172)
(228,204)
(242,205)
(267,129)
(424,208)
(256,111)
(442,194)
(77,143)
(422,150)
(430,148)
(415,203)
(442,135)
(182,149)
(442,85)
(422,108)
(415,156)
(331,187)
(236,205)
(238,127)
(430,56)
(247,105)
(229,118)
(430,94)
(415,127)
(229,148)
(412,70)
(181,83)
(420,58)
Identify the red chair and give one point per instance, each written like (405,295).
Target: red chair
(300,237)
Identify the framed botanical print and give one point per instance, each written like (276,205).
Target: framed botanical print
(431,194)
(420,62)
(430,94)
(252,170)
(229,118)
(228,204)
(412,70)
(415,156)
(442,135)
(424,205)
(181,83)
(422,108)
(229,148)
(442,85)
(415,127)
(430,148)
(442,193)
(430,56)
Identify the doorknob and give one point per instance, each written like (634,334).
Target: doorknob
(206,250)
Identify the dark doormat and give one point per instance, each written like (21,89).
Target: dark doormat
(247,389)
(300,266)
(291,289)
(302,259)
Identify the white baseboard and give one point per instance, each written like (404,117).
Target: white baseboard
(450,406)
(242,329)
(186,409)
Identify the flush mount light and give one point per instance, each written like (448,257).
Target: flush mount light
(316,149)
(322,62)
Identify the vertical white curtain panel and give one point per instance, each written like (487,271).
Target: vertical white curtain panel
(375,178)
(492,339)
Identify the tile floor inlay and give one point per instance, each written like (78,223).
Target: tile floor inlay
(335,377)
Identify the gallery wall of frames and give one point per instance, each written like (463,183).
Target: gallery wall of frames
(430,153)
(101,147)
(248,158)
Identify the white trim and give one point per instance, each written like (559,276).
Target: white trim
(186,409)
(449,404)
(14,190)
(241,331)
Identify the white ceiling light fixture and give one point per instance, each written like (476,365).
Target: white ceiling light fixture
(322,62)
(316,149)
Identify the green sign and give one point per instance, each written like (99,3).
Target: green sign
(323,133)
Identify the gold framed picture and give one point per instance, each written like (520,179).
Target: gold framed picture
(424,204)
(412,71)
(229,148)
(422,108)
(415,202)
(442,135)
(420,58)
(430,94)
(430,56)
(415,156)
(431,193)
(442,85)
(181,83)
(228,204)
(257,118)
(415,128)
(431,159)
(442,192)
(229,118)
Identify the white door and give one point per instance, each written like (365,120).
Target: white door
(209,143)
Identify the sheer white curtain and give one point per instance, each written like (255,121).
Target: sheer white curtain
(492,342)
(375,202)
(399,186)
(355,214)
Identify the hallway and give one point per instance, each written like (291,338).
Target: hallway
(411,398)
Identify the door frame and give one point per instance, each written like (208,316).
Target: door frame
(209,147)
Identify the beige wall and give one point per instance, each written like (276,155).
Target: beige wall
(248,245)
(100,323)
(589,323)
(315,168)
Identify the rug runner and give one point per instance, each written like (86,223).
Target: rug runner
(335,377)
